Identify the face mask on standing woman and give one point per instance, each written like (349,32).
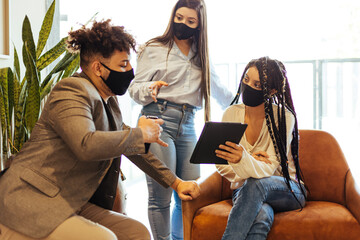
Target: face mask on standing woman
(183,31)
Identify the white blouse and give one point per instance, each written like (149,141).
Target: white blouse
(248,166)
(181,73)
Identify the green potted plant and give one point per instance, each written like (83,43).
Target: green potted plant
(21,94)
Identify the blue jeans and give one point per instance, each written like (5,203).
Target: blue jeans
(252,214)
(179,133)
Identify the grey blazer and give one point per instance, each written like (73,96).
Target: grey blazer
(69,152)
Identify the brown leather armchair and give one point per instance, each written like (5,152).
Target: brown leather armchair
(331,212)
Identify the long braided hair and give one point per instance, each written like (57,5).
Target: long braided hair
(273,76)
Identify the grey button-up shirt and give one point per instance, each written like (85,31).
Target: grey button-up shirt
(181,73)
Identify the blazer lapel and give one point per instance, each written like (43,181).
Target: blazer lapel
(106,192)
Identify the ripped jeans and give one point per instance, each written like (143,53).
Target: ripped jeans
(255,202)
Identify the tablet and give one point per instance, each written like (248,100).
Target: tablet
(212,135)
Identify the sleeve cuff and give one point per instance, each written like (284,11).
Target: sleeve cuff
(137,146)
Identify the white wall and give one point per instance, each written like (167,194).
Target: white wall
(35,10)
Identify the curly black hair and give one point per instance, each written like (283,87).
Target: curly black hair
(102,38)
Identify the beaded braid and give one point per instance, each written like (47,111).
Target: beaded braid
(295,133)
(284,101)
(278,135)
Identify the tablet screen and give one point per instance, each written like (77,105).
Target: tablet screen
(212,135)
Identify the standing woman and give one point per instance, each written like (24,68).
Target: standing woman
(263,168)
(177,63)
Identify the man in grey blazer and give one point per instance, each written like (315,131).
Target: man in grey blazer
(62,184)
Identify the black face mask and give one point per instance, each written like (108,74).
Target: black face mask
(118,82)
(250,96)
(183,31)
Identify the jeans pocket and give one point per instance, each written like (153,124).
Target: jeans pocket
(154,109)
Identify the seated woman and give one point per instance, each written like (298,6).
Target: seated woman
(264,167)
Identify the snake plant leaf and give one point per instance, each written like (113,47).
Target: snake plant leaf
(16,63)
(16,93)
(51,55)
(19,114)
(23,92)
(10,94)
(23,82)
(72,67)
(60,66)
(9,104)
(46,90)
(27,62)
(3,105)
(91,19)
(27,38)
(66,63)
(45,29)
(4,89)
(6,81)
(16,90)
(3,92)
(3,130)
(32,107)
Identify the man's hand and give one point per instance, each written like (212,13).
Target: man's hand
(187,190)
(151,130)
(155,88)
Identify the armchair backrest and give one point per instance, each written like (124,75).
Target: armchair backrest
(323,165)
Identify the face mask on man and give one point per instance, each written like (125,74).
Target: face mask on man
(183,31)
(250,96)
(118,82)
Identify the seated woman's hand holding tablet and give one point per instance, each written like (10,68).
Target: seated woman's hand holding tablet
(233,152)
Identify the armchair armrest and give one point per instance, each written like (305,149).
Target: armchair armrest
(210,192)
(352,196)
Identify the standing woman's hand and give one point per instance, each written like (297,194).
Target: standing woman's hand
(233,152)
(155,88)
